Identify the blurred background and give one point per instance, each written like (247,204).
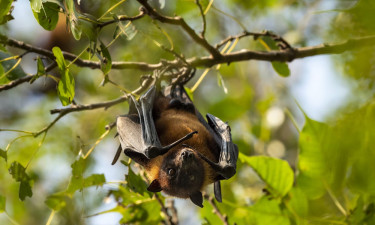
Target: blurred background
(258,105)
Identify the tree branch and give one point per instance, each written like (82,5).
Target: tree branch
(123,18)
(180,22)
(286,55)
(24,79)
(169,219)
(216,210)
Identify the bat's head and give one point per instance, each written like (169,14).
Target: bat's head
(181,174)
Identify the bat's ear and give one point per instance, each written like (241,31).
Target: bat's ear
(197,198)
(154,186)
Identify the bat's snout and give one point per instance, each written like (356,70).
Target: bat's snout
(187,155)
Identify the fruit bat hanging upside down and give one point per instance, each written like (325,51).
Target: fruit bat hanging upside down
(180,151)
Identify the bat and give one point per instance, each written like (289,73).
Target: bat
(180,151)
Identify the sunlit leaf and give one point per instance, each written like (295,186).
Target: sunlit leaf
(189,93)
(36,5)
(56,201)
(2,203)
(267,211)
(48,15)
(66,85)
(276,173)
(298,202)
(311,160)
(281,68)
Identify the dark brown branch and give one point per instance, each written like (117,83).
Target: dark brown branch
(216,210)
(122,18)
(285,55)
(76,108)
(180,22)
(78,61)
(207,61)
(24,79)
(255,35)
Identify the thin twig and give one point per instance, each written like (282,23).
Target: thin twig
(216,210)
(122,18)
(203,18)
(180,22)
(169,219)
(170,205)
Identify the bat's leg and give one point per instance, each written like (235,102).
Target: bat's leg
(226,167)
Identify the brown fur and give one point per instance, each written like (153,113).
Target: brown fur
(172,124)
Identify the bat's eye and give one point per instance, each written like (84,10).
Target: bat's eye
(171,172)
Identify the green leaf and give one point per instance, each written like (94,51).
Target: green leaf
(78,167)
(3,154)
(145,213)
(36,5)
(18,172)
(88,27)
(298,202)
(40,70)
(59,58)
(4,8)
(73,21)
(2,204)
(65,87)
(267,211)
(189,93)
(135,182)
(48,15)
(311,160)
(105,60)
(78,182)
(56,201)
(25,190)
(281,68)
(94,180)
(276,173)
(7,65)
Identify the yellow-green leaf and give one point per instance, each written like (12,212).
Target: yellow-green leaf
(276,173)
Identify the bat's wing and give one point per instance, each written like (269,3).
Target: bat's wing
(137,132)
(227,152)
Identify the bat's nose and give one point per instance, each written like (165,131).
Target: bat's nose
(186,155)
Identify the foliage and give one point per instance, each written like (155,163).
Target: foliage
(56,170)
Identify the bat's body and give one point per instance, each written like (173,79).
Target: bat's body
(196,153)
